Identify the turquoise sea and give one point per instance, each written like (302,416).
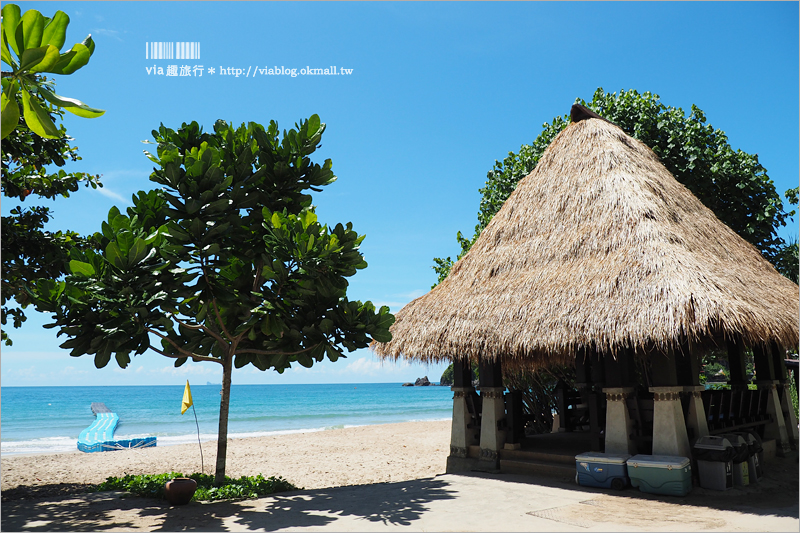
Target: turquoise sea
(49,419)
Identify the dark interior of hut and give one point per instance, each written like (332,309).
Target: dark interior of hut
(562,410)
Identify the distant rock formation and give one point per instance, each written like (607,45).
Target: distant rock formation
(421,382)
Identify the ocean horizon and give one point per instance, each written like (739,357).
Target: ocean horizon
(46,419)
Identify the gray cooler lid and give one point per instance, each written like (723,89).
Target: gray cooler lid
(670,462)
(600,457)
(713,443)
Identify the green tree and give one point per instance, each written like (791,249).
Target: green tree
(732,183)
(225,263)
(29,252)
(787,258)
(36,42)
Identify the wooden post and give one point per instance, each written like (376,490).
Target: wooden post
(737,364)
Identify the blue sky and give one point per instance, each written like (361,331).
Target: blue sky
(438,92)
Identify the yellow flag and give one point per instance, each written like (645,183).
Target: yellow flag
(187,398)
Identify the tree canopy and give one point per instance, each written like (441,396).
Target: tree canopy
(30,252)
(225,262)
(732,183)
(36,43)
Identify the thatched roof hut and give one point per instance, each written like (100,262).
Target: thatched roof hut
(599,246)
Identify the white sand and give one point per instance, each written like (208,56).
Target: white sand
(350,456)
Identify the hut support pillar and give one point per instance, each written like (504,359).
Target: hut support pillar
(619,426)
(669,426)
(777,428)
(493,417)
(689,376)
(769,378)
(464,430)
(789,417)
(696,417)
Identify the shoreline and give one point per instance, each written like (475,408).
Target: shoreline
(313,459)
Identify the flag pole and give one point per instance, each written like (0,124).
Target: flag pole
(202,466)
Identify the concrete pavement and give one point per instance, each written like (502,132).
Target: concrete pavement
(474,502)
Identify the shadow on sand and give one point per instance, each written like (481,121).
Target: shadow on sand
(386,503)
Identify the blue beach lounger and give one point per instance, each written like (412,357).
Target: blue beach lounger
(99,436)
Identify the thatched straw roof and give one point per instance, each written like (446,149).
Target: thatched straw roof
(599,246)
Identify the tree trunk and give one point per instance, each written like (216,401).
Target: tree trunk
(224,404)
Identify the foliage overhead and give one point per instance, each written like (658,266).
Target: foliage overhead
(29,252)
(36,43)
(732,183)
(225,262)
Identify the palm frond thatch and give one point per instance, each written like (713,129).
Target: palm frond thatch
(599,246)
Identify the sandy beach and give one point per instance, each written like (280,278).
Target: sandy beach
(321,459)
(370,478)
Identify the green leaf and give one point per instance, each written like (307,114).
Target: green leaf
(71,61)
(326,325)
(382,335)
(11,19)
(102,359)
(88,43)
(31,58)
(49,57)
(74,106)
(79,268)
(305,360)
(307,217)
(115,256)
(32,29)
(137,252)
(125,241)
(5,54)
(55,32)
(123,359)
(37,118)
(313,125)
(9,114)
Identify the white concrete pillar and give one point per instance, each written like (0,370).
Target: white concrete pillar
(669,426)
(492,438)
(776,429)
(619,426)
(696,417)
(461,435)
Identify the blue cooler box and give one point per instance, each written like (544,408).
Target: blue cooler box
(661,474)
(604,470)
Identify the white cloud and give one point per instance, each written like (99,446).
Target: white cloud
(413,294)
(114,34)
(105,191)
(400,300)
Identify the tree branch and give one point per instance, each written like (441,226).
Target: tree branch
(214,300)
(200,327)
(184,353)
(179,356)
(276,352)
